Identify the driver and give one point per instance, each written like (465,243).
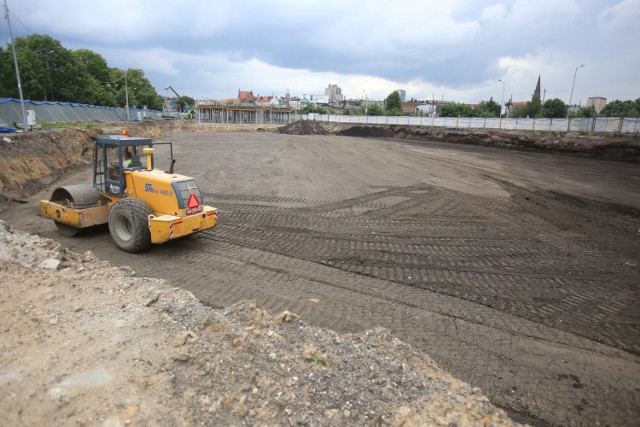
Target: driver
(125,163)
(127,159)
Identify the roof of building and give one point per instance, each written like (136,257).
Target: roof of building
(410,106)
(246,95)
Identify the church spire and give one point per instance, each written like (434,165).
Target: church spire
(536,93)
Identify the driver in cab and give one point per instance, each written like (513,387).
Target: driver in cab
(115,165)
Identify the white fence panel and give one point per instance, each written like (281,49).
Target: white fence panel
(53,112)
(600,124)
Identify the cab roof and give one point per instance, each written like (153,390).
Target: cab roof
(122,140)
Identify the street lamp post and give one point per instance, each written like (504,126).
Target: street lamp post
(15,61)
(365,102)
(501,102)
(126,93)
(46,62)
(571,97)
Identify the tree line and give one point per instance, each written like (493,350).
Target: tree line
(51,72)
(392,107)
(551,108)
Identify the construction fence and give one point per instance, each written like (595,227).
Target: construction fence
(593,124)
(54,112)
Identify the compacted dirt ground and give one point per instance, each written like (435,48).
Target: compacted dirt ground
(515,271)
(88,343)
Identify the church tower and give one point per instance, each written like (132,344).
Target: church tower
(536,93)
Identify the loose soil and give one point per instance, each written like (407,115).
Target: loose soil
(516,270)
(88,343)
(624,148)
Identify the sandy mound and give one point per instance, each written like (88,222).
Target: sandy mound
(304,128)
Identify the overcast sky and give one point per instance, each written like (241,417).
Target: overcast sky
(456,49)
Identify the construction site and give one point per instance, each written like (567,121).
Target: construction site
(358,275)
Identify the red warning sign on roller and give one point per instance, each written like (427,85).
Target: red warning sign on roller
(193,205)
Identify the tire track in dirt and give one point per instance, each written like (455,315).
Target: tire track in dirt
(522,271)
(493,280)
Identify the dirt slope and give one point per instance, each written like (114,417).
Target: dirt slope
(88,343)
(612,147)
(19,189)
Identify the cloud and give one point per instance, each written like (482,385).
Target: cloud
(457,48)
(619,21)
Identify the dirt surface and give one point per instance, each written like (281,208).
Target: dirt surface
(516,271)
(88,343)
(606,146)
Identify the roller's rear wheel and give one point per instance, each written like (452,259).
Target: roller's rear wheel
(129,225)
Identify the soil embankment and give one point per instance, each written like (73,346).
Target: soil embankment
(611,147)
(32,161)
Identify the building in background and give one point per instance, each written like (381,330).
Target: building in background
(411,107)
(596,102)
(246,97)
(334,94)
(268,101)
(403,94)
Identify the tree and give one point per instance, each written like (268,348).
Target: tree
(588,112)
(49,68)
(138,89)
(554,108)
(395,112)
(487,109)
(36,57)
(374,110)
(393,102)
(619,108)
(454,110)
(189,100)
(99,71)
(519,110)
(534,107)
(49,71)
(313,108)
(8,81)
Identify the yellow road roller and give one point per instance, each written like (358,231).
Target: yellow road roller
(141,204)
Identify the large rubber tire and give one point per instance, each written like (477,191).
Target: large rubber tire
(67,230)
(129,225)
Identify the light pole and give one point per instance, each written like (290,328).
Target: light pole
(571,97)
(126,93)
(46,62)
(501,102)
(15,61)
(365,102)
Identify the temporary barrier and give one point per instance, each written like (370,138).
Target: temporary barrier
(55,112)
(580,124)
(52,112)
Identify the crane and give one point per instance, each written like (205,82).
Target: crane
(191,113)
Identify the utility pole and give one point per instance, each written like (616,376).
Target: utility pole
(501,102)
(571,97)
(126,93)
(15,61)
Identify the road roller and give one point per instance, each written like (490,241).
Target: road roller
(142,205)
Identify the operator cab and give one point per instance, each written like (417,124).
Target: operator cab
(112,156)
